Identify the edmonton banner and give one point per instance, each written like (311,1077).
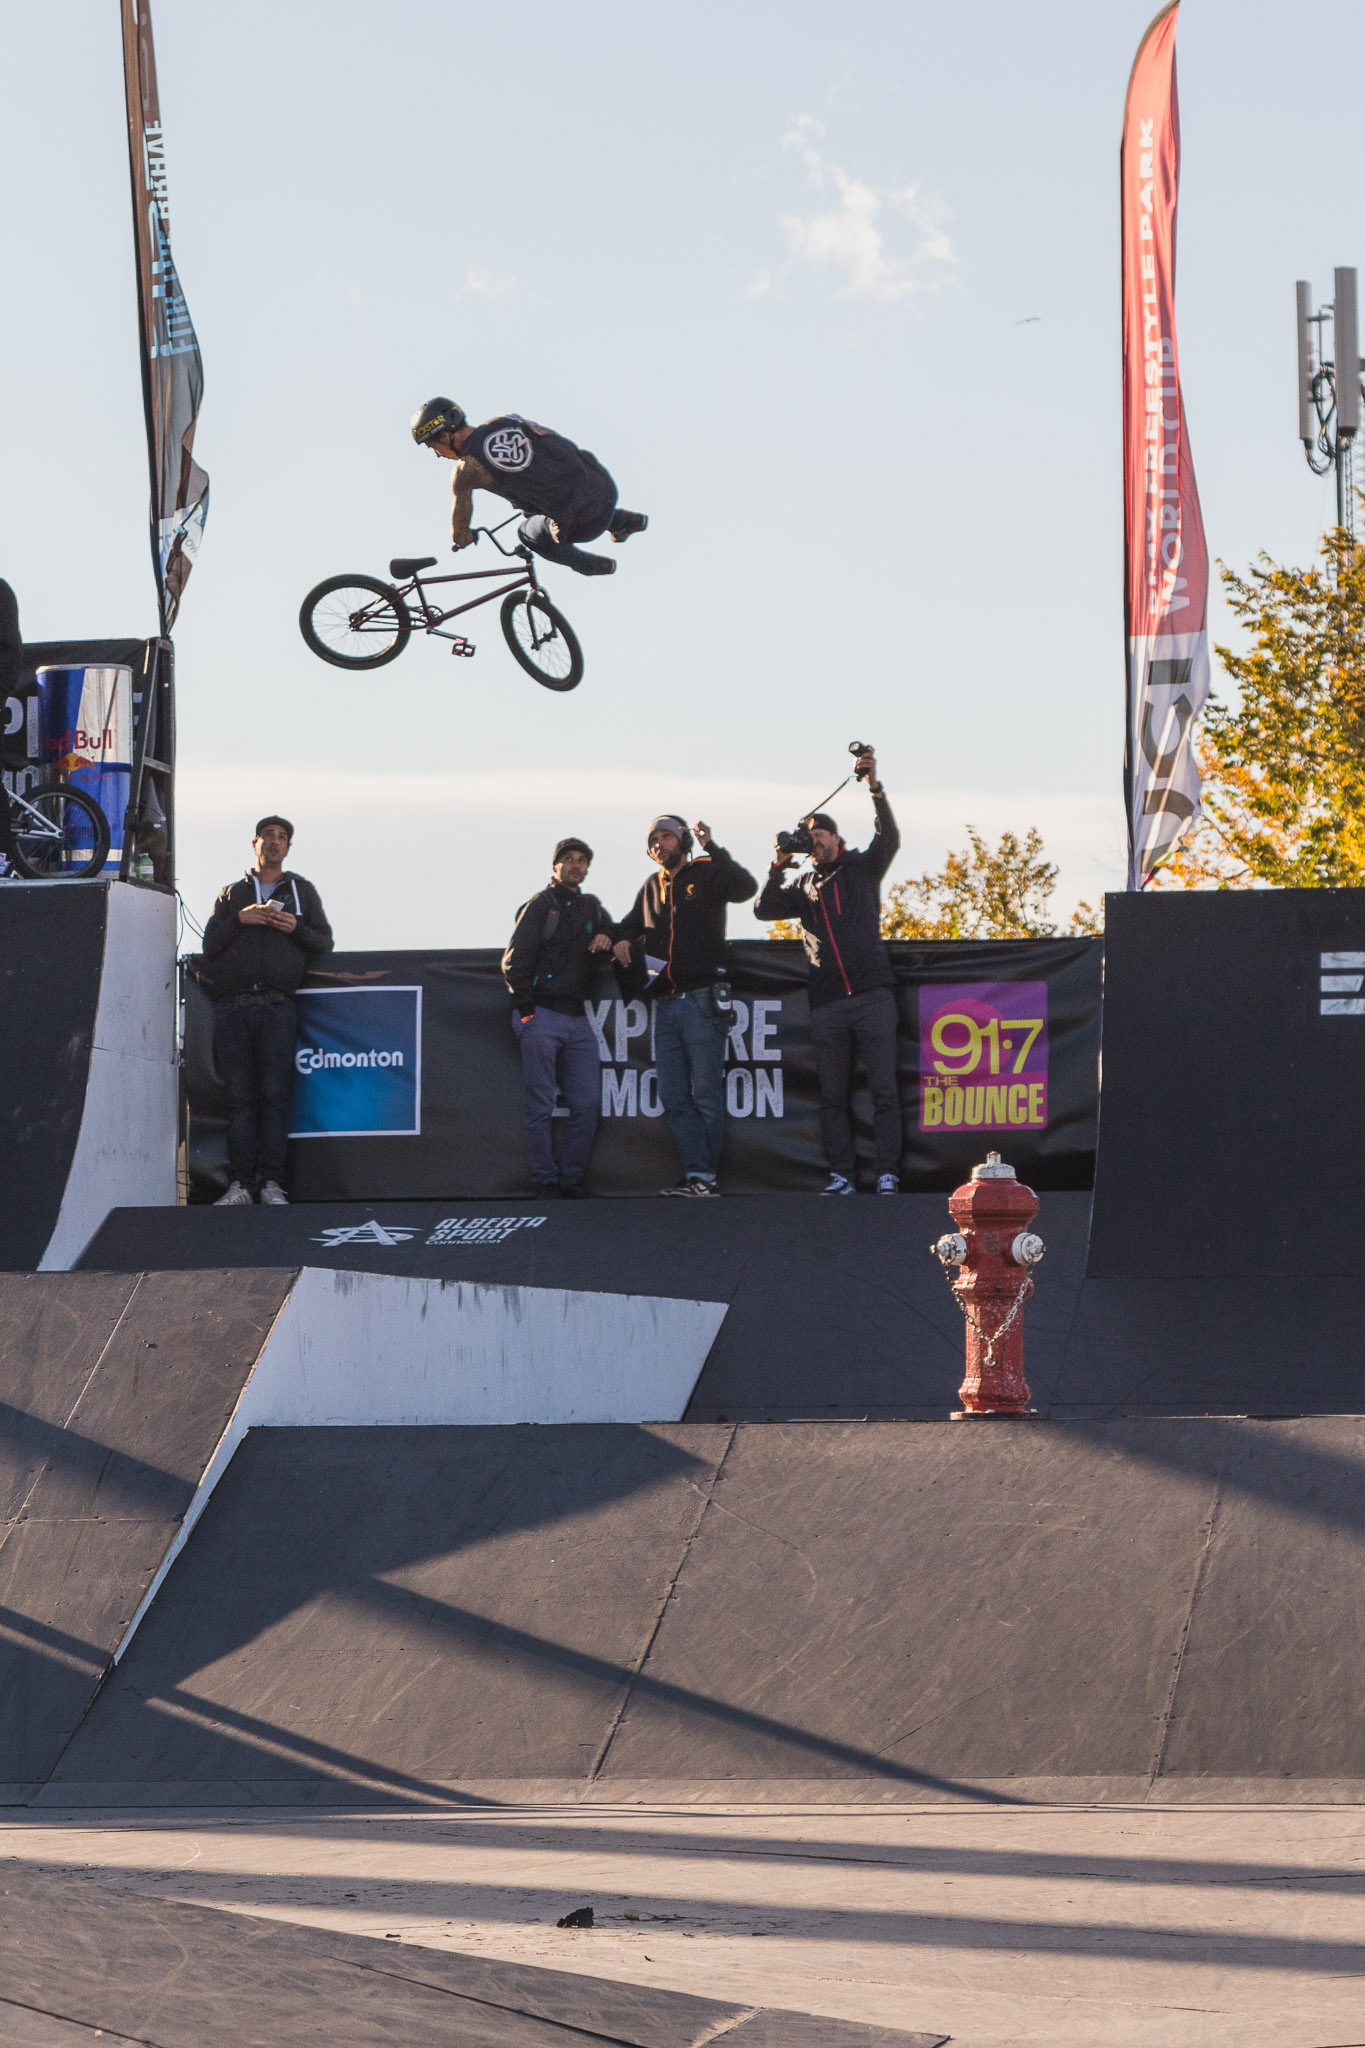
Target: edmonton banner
(172,374)
(408,1079)
(1166,560)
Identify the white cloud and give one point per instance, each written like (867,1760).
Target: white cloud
(487,284)
(848,241)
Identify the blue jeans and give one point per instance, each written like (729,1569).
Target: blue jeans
(534,532)
(557,1052)
(689,1050)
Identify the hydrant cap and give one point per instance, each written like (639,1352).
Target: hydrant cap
(994,1169)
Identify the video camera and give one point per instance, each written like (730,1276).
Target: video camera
(800,840)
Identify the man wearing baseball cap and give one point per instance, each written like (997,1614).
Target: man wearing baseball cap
(546,968)
(677,925)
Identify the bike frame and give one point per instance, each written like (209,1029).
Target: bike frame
(21,803)
(430,618)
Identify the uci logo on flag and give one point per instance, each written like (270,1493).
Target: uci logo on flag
(509,448)
(358,1063)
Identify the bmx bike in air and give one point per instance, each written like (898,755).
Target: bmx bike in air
(56,832)
(360,622)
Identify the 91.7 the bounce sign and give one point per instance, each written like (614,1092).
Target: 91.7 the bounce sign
(983,1056)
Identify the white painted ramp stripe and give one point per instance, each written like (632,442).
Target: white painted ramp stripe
(377,1350)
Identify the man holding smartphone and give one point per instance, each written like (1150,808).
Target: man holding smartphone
(266,931)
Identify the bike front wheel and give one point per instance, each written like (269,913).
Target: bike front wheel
(355,622)
(542,639)
(68,837)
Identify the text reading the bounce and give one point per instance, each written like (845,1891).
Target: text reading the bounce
(983,1056)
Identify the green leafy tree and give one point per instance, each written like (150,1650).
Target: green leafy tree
(1283,767)
(983,892)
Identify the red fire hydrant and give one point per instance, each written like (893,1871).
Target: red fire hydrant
(995,1253)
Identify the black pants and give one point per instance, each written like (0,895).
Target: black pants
(253,1044)
(866,1025)
(535,533)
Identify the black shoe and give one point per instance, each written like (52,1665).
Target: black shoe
(595,565)
(549,1193)
(627,523)
(573,1191)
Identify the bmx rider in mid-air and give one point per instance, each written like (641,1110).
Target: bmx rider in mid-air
(564,491)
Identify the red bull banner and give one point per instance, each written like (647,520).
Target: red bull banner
(1166,559)
(172,373)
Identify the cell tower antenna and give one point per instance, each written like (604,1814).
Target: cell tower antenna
(1330,387)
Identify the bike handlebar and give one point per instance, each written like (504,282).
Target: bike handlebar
(494,531)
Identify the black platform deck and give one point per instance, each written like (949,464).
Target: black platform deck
(1232,1117)
(77,1959)
(1169,1610)
(836,1307)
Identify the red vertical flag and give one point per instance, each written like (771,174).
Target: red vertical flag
(1166,560)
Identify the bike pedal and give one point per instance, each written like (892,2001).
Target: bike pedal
(465,647)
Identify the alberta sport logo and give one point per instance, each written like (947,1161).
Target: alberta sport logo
(450,1230)
(509,448)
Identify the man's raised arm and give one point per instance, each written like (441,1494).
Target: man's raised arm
(470,476)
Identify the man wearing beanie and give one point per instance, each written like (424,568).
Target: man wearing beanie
(852,986)
(546,968)
(677,922)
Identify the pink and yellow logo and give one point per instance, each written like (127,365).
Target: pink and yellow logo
(983,1056)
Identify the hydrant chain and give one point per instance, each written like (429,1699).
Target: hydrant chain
(988,1357)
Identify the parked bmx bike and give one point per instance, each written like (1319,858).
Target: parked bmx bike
(360,622)
(58,832)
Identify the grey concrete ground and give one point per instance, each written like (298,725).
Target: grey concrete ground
(1075,1927)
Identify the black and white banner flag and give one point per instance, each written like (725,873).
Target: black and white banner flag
(172,374)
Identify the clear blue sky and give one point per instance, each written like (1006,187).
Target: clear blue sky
(770,264)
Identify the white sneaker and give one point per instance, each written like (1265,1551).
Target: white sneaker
(237,1197)
(887,1184)
(838,1184)
(273,1196)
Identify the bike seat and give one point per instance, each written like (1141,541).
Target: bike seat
(405,565)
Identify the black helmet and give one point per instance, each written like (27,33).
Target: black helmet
(437,416)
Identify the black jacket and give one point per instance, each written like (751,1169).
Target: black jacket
(547,961)
(241,958)
(839,907)
(681,918)
(538,470)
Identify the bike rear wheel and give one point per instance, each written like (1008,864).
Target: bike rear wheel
(355,622)
(542,639)
(69,837)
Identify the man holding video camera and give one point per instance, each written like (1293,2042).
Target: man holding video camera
(852,985)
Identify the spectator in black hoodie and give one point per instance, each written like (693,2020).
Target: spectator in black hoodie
(676,928)
(266,931)
(852,986)
(546,969)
